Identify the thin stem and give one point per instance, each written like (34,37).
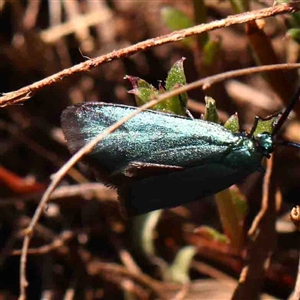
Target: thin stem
(286,113)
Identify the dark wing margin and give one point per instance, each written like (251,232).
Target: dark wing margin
(71,128)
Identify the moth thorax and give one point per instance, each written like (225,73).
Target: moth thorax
(265,143)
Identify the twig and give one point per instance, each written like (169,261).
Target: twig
(93,266)
(131,289)
(58,243)
(86,191)
(58,31)
(28,91)
(96,267)
(80,30)
(182,294)
(88,147)
(264,53)
(295,218)
(124,255)
(212,272)
(70,292)
(31,14)
(262,241)
(296,293)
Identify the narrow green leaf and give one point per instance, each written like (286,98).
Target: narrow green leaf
(229,218)
(144,92)
(179,269)
(176,78)
(211,50)
(211,113)
(232,124)
(145,231)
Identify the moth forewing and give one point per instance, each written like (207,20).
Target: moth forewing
(158,160)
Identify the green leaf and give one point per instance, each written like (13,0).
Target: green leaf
(144,227)
(175,79)
(239,201)
(213,234)
(232,124)
(229,219)
(179,269)
(175,19)
(265,126)
(176,75)
(211,113)
(144,92)
(211,50)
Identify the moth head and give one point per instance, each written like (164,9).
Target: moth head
(265,143)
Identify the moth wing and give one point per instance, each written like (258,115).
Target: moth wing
(175,188)
(150,137)
(158,160)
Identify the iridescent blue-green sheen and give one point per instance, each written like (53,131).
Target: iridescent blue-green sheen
(191,158)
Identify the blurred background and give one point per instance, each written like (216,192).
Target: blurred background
(83,248)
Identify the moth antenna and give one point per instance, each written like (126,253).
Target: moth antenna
(287,143)
(250,135)
(286,112)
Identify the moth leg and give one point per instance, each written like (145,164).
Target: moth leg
(188,113)
(261,169)
(138,169)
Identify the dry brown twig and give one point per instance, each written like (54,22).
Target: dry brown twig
(59,242)
(295,218)
(96,267)
(27,92)
(296,293)
(262,240)
(86,191)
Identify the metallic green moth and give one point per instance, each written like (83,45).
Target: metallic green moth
(159,160)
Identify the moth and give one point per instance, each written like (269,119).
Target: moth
(159,160)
